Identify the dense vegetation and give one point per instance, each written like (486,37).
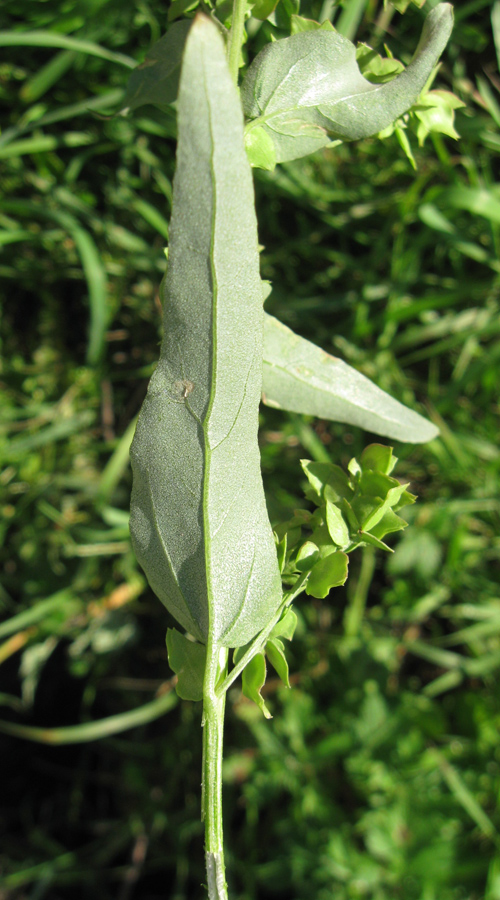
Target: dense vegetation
(379,775)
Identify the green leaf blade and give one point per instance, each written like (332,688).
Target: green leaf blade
(307,90)
(329,572)
(199,522)
(300,377)
(275,653)
(337,527)
(253,679)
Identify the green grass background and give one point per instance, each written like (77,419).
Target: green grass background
(379,775)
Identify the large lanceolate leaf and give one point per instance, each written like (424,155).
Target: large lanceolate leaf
(302,378)
(198,519)
(306,90)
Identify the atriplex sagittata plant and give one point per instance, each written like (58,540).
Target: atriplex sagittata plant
(199,523)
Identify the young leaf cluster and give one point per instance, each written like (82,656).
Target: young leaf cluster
(353,509)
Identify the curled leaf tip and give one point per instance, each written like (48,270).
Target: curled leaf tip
(304,91)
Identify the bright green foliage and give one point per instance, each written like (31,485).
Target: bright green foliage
(253,679)
(187,659)
(198,517)
(353,509)
(435,113)
(260,149)
(261,9)
(328,572)
(376,68)
(275,652)
(254,674)
(298,24)
(307,90)
(301,377)
(402,5)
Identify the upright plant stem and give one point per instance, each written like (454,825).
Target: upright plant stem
(213,736)
(235,39)
(355,611)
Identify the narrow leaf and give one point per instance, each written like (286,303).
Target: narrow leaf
(198,519)
(366,538)
(253,679)
(281,548)
(300,377)
(389,523)
(275,653)
(307,90)
(187,660)
(337,527)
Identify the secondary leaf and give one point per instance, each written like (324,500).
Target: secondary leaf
(286,626)
(260,149)
(436,113)
(379,458)
(319,475)
(275,653)
(262,9)
(198,518)
(156,80)
(336,524)
(377,69)
(302,378)
(307,90)
(253,679)
(187,660)
(299,24)
(329,572)
(306,557)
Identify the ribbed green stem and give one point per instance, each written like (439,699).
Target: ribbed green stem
(236,38)
(213,737)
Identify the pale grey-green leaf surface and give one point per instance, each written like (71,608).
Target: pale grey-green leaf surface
(199,522)
(307,90)
(300,377)
(156,80)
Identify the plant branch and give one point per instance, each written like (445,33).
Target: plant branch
(235,40)
(258,644)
